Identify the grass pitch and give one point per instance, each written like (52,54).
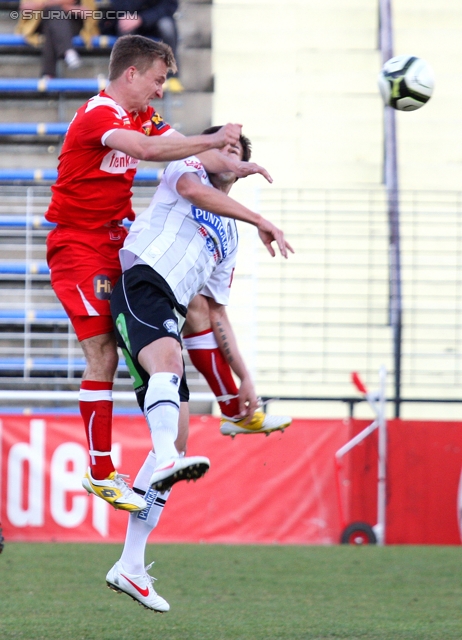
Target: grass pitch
(58,591)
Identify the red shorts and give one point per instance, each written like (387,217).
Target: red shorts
(84,268)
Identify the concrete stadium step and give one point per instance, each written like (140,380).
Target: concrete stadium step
(431,138)
(329,116)
(327,25)
(194,20)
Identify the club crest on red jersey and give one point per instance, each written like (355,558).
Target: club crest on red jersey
(157,121)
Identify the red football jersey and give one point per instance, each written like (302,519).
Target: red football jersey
(94,181)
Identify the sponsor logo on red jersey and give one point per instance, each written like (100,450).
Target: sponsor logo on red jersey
(102,287)
(117,162)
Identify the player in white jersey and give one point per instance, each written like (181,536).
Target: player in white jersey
(179,246)
(175,248)
(184,244)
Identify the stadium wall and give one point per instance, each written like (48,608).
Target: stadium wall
(280,489)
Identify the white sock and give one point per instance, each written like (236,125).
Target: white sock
(162,408)
(142,523)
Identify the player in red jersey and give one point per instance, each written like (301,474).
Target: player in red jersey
(92,196)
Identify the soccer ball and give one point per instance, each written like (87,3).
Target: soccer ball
(406,83)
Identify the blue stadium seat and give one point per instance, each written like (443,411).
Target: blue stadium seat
(50,175)
(34,222)
(97,42)
(52,85)
(33,128)
(32,315)
(40,364)
(46,364)
(23,268)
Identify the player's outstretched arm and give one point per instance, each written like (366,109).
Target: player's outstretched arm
(170,147)
(190,187)
(227,343)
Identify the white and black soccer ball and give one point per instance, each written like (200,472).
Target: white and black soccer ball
(406,83)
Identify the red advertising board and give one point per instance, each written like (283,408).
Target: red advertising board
(259,489)
(424,465)
(279,489)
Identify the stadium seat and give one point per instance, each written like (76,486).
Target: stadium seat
(49,175)
(33,128)
(21,222)
(43,364)
(23,268)
(34,222)
(52,85)
(21,315)
(17,40)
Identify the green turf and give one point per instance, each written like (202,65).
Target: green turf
(57,591)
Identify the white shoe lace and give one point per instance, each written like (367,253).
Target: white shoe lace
(120,483)
(151,578)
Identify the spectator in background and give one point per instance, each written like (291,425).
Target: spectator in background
(152,19)
(53,25)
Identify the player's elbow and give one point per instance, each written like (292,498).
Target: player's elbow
(217,311)
(189,190)
(149,153)
(144,149)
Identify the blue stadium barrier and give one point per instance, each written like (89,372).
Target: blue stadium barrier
(97,42)
(34,222)
(40,364)
(23,268)
(30,175)
(37,175)
(47,364)
(52,85)
(33,128)
(32,315)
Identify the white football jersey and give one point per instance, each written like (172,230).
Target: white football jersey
(192,249)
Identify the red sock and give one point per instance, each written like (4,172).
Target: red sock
(95,402)
(209,360)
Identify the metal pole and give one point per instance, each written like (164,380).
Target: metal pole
(391,184)
(382,464)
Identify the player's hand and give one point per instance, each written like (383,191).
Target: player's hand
(229,134)
(244,169)
(269,233)
(248,401)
